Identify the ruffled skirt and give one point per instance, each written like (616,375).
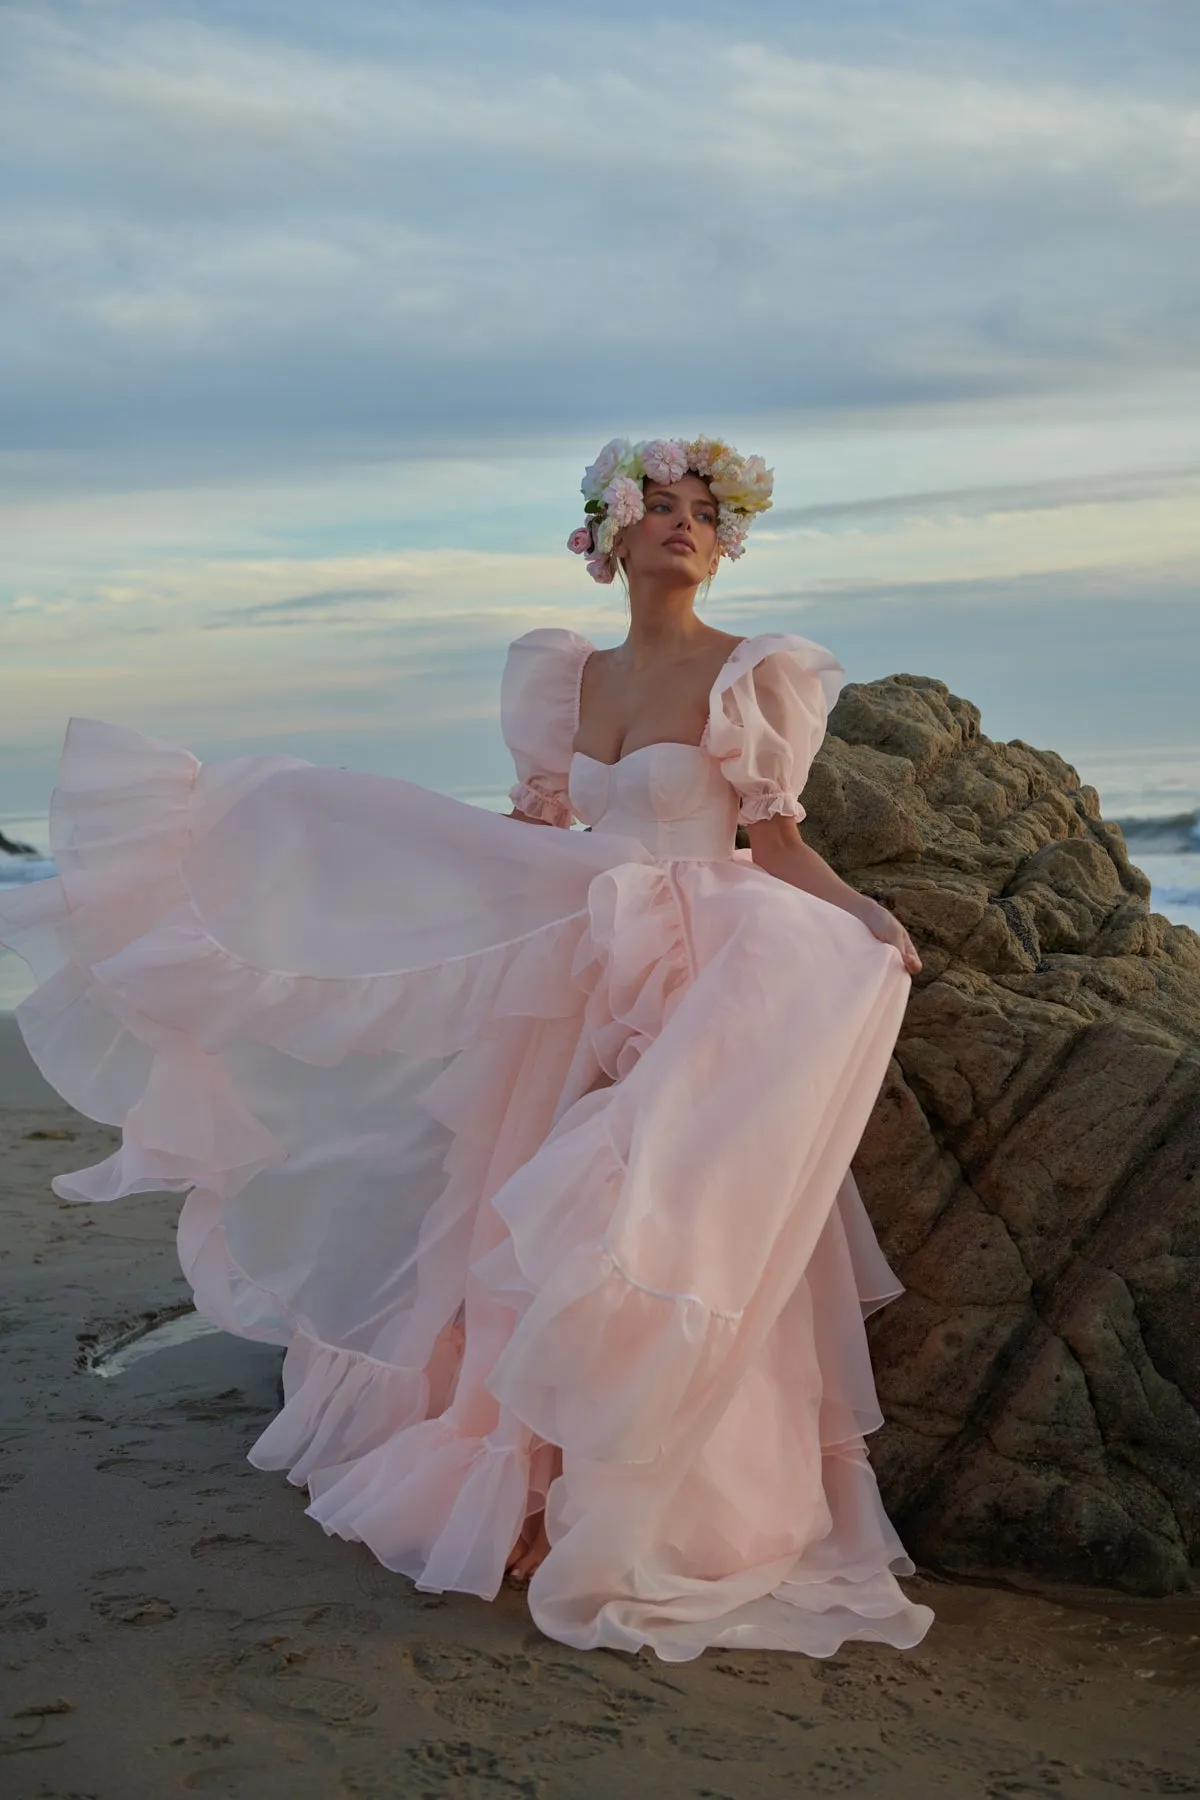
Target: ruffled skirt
(521,1142)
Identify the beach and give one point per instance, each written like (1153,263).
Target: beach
(170,1620)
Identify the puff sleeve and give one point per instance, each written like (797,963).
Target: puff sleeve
(539,697)
(767,716)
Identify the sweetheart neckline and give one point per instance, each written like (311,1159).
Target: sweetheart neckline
(702,746)
(659,744)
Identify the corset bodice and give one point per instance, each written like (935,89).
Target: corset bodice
(672,797)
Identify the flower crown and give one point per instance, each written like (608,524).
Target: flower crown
(612,492)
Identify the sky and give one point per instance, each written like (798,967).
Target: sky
(311,316)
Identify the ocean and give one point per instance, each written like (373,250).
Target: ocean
(1155,801)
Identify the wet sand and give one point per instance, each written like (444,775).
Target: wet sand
(170,1622)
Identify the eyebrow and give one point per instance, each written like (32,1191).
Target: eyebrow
(656,488)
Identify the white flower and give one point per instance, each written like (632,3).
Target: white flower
(612,488)
(746,484)
(597,475)
(623,498)
(665,459)
(731,531)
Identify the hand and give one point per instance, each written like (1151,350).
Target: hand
(888,929)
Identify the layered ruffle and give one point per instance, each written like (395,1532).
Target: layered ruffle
(439,1505)
(597,1363)
(633,962)
(139,998)
(539,801)
(771,804)
(524,1144)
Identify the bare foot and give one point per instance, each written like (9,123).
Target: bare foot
(529,1552)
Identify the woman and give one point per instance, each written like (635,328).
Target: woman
(534,1147)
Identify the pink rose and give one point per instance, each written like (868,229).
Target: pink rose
(600,569)
(580,540)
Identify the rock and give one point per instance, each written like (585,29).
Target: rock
(11,848)
(1033,1163)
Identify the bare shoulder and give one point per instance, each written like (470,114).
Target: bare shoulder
(726,642)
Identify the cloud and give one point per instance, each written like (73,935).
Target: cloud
(1122,488)
(261,230)
(310,317)
(301,609)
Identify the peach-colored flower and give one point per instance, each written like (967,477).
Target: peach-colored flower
(580,540)
(708,456)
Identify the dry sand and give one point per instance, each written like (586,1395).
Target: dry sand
(172,1623)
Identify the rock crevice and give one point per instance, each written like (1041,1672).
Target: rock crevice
(1031,1164)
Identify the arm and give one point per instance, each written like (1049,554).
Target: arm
(777,847)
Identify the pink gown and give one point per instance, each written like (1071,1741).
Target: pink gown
(361,1026)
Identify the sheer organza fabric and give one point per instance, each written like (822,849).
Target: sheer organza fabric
(380,1098)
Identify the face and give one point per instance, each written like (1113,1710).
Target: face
(678,535)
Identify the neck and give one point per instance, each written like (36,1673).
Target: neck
(661,617)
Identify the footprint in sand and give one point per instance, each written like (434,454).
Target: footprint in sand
(16,1614)
(272,1686)
(132,1609)
(556,1708)
(224,1546)
(150,1474)
(290,1665)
